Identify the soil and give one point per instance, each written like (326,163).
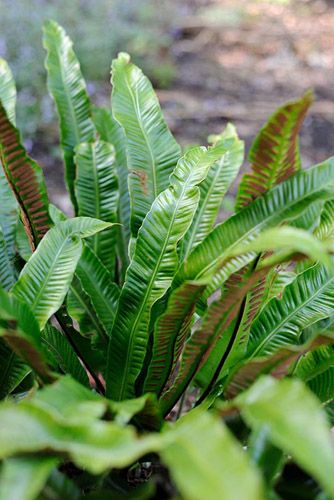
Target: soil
(237,61)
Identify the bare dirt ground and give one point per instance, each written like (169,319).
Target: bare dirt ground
(237,61)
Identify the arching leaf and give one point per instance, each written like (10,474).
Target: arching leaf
(152,150)
(97,195)
(93,288)
(152,269)
(46,277)
(274,155)
(68,89)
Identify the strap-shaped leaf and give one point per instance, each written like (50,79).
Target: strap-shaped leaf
(12,370)
(308,299)
(46,277)
(68,89)
(283,202)
(96,190)
(152,268)
(152,150)
(170,333)
(62,354)
(7,90)
(110,131)
(26,179)
(213,189)
(286,408)
(274,155)
(9,207)
(93,296)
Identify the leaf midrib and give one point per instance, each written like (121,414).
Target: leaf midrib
(289,316)
(135,101)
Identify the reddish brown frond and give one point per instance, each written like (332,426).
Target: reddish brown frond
(274,155)
(277,365)
(26,179)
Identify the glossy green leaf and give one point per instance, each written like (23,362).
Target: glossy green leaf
(287,409)
(152,269)
(151,148)
(93,296)
(46,277)
(68,89)
(22,478)
(213,189)
(274,155)
(96,191)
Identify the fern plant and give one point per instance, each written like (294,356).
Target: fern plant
(140,339)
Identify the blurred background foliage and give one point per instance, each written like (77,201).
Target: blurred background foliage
(99,28)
